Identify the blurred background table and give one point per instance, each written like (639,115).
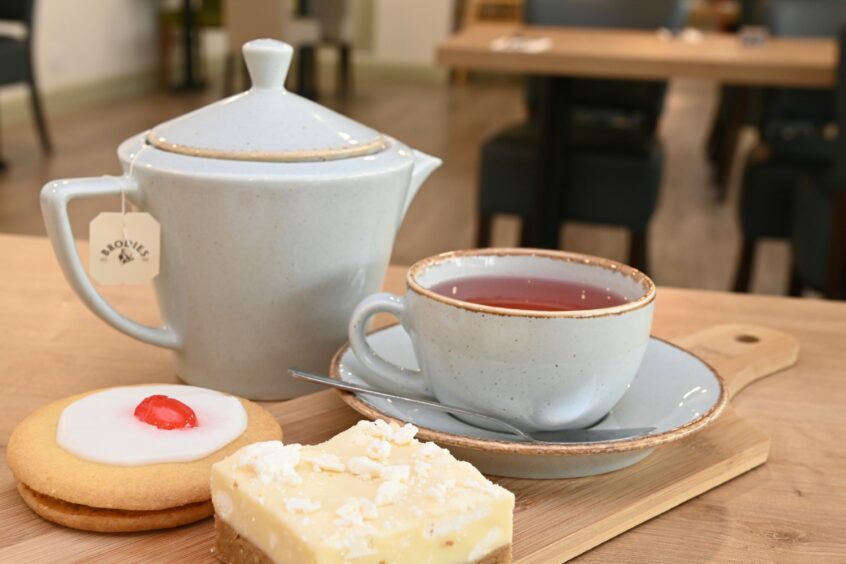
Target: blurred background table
(625,54)
(790,509)
(640,54)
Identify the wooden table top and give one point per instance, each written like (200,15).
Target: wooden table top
(636,54)
(790,509)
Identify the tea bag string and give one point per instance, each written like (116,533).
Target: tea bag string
(128,175)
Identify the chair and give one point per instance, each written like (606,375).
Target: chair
(336,31)
(797,131)
(737,106)
(612,136)
(209,15)
(17,61)
(818,218)
(274,19)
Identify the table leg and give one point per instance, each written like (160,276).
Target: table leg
(736,120)
(189,81)
(836,263)
(3,163)
(553,118)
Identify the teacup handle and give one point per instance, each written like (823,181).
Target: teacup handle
(381,373)
(55,197)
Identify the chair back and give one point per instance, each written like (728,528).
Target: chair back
(628,14)
(790,117)
(334,18)
(750,11)
(840,114)
(17,11)
(835,283)
(628,95)
(804,18)
(819,207)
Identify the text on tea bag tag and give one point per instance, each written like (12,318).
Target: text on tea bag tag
(124,248)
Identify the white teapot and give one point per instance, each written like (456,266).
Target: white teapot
(277,217)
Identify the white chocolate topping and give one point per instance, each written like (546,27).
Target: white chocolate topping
(102,427)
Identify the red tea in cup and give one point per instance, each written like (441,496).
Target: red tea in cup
(528,293)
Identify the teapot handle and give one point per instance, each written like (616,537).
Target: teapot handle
(55,197)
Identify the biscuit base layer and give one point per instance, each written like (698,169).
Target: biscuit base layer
(232,548)
(112,520)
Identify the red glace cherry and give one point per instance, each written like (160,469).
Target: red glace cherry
(166,413)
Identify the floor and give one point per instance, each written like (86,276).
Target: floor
(694,238)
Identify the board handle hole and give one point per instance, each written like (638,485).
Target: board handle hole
(747,339)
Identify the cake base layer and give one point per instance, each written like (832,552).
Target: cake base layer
(232,548)
(111,520)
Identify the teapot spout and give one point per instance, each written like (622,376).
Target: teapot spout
(424,165)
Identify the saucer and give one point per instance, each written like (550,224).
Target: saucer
(674,391)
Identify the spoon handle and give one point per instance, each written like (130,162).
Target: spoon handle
(294,373)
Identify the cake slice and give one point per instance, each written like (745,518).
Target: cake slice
(371,494)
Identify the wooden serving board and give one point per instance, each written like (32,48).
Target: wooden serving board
(555,520)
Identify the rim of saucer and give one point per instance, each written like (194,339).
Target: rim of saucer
(528,449)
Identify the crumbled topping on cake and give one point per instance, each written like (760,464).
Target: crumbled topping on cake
(421,469)
(390,431)
(378,428)
(354,511)
(301,505)
(403,435)
(378,449)
(363,466)
(324,461)
(353,546)
(397,473)
(272,460)
(430,449)
(439,491)
(389,492)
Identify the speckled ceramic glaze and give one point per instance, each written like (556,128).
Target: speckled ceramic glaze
(278,216)
(538,370)
(673,391)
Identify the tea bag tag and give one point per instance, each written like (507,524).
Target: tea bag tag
(125,248)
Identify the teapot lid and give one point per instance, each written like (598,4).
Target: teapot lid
(266,123)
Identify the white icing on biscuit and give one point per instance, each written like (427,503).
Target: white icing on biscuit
(102,427)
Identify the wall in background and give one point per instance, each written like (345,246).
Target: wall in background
(93,51)
(89,40)
(407,31)
(87,51)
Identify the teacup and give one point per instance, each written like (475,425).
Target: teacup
(539,370)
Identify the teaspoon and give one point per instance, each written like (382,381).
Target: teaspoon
(550,437)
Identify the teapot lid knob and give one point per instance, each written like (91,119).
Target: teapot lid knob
(268,61)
